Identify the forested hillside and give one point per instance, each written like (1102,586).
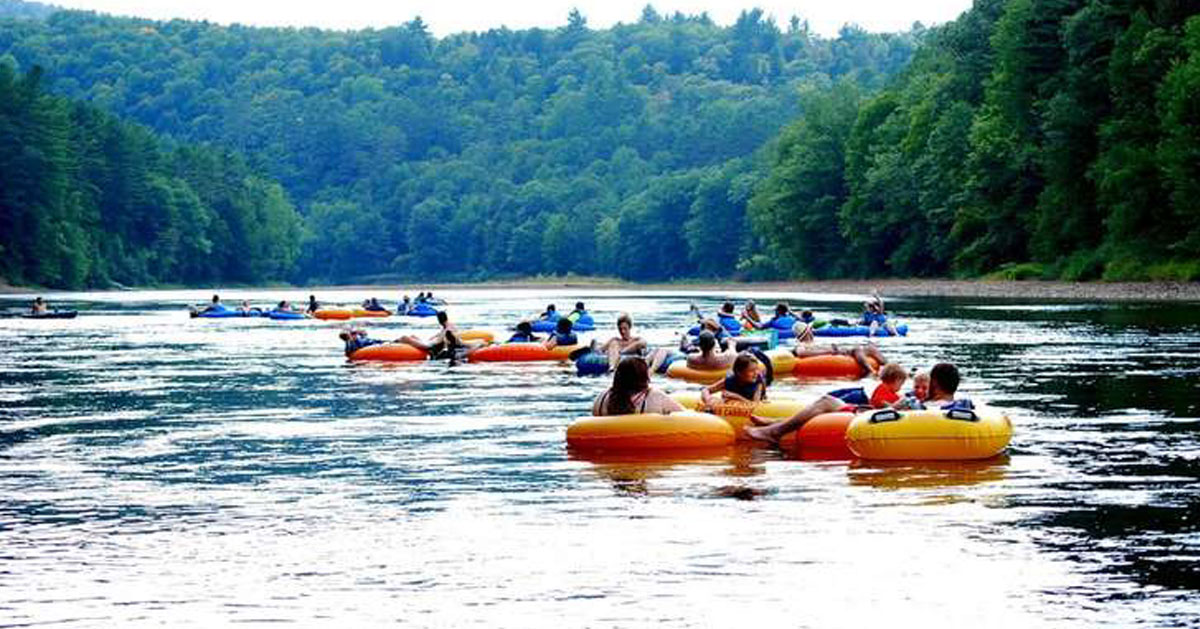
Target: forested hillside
(627,151)
(88,200)
(1056,138)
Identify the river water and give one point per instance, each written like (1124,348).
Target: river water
(162,470)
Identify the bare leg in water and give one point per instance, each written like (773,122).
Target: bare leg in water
(772,433)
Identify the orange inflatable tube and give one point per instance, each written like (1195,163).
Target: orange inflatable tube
(826,432)
(520,352)
(391,352)
(334,314)
(359,312)
(647,432)
(829,366)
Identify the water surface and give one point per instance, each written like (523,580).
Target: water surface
(162,470)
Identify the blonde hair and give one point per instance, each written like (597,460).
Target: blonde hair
(893,372)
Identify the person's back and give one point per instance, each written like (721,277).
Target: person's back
(578,313)
(524,334)
(709,357)
(631,392)
(562,335)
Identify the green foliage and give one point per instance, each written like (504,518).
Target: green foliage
(1013,272)
(86,200)
(625,151)
(1029,138)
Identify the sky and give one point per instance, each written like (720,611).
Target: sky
(445,17)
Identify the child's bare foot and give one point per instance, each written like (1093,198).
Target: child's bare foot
(761,421)
(761,434)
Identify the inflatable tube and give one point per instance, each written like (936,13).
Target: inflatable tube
(54,314)
(390,352)
(359,312)
(281,315)
(649,432)
(825,433)
(782,361)
(592,364)
(829,366)
(421,310)
(520,352)
(333,314)
(680,369)
(229,313)
(937,435)
(858,330)
(585,324)
(477,335)
(738,413)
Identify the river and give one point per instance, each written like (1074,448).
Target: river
(162,470)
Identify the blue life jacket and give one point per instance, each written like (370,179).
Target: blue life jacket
(521,337)
(782,323)
(729,322)
(566,339)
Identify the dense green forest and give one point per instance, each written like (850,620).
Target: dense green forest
(628,151)
(1056,138)
(86,199)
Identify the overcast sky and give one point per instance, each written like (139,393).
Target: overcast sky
(451,16)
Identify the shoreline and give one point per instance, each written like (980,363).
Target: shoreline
(1007,289)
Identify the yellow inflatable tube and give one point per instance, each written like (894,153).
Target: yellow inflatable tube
(738,413)
(930,435)
(680,369)
(649,431)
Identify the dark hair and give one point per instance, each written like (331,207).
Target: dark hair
(707,341)
(280,306)
(312,297)
(563,326)
(624,318)
(727,307)
(806,314)
(525,327)
(216,298)
(442,317)
(550,308)
(631,377)
(345,336)
(945,377)
(781,309)
(579,305)
(742,362)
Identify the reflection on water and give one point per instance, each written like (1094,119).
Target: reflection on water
(161,470)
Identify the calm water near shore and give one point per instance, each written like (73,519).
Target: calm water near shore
(162,470)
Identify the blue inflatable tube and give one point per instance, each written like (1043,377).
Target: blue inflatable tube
(278,315)
(421,310)
(858,330)
(585,323)
(229,313)
(592,364)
